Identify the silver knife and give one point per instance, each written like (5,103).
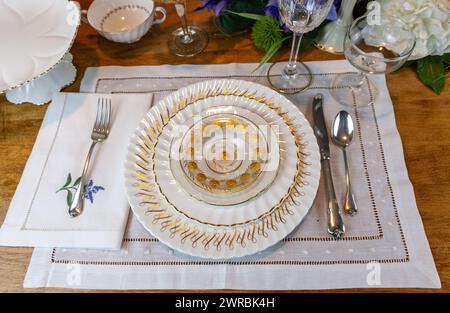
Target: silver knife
(335,223)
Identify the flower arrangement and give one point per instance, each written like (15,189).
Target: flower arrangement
(430,20)
(268,31)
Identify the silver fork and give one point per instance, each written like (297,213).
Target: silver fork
(99,133)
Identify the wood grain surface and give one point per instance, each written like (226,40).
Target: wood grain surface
(423,120)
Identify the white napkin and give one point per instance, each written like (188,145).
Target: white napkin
(38,213)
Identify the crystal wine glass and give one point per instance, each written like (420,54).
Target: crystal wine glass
(300,16)
(188,40)
(373,46)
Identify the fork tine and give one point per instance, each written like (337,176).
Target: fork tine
(108,127)
(102,128)
(98,117)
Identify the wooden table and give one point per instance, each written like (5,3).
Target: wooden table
(423,120)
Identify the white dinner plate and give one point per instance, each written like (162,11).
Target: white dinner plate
(187,223)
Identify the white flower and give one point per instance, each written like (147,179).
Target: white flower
(430,21)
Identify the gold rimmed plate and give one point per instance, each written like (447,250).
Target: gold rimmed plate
(192,225)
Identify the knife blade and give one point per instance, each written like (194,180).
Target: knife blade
(336,225)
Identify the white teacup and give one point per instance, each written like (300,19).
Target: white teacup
(122,20)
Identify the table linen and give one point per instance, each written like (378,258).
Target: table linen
(385,244)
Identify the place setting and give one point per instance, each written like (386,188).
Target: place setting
(279,176)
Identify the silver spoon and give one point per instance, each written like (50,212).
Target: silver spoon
(342,134)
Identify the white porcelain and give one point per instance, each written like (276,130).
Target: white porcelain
(40,90)
(124,21)
(197,228)
(35,36)
(331,37)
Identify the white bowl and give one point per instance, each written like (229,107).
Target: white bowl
(35,36)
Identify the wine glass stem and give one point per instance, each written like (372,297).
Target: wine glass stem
(360,80)
(181,11)
(291,67)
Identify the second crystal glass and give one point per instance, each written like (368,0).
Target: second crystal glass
(300,16)
(188,40)
(373,47)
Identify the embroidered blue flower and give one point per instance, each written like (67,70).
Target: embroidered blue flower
(90,190)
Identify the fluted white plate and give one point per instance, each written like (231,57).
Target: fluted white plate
(35,36)
(194,227)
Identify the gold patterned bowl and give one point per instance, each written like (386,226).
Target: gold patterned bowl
(169,199)
(226,156)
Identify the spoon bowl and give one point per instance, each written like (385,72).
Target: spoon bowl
(342,130)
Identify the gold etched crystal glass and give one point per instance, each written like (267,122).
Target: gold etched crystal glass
(300,16)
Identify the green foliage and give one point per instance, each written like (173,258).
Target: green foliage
(431,71)
(446,58)
(266,33)
(232,23)
(268,36)
(271,52)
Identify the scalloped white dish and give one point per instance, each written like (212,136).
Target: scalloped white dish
(35,36)
(170,211)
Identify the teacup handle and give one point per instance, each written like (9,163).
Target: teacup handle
(164,15)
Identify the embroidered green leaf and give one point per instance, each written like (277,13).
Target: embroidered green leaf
(69,198)
(77,182)
(68,180)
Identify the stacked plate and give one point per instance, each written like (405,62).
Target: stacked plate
(222,169)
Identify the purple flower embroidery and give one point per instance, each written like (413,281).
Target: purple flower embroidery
(90,190)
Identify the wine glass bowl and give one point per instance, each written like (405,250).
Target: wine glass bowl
(378,49)
(303,16)
(372,47)
(300,16)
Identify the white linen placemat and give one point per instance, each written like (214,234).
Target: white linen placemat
(385,244)
(38,213)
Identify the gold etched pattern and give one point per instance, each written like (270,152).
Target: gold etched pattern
(185,226)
